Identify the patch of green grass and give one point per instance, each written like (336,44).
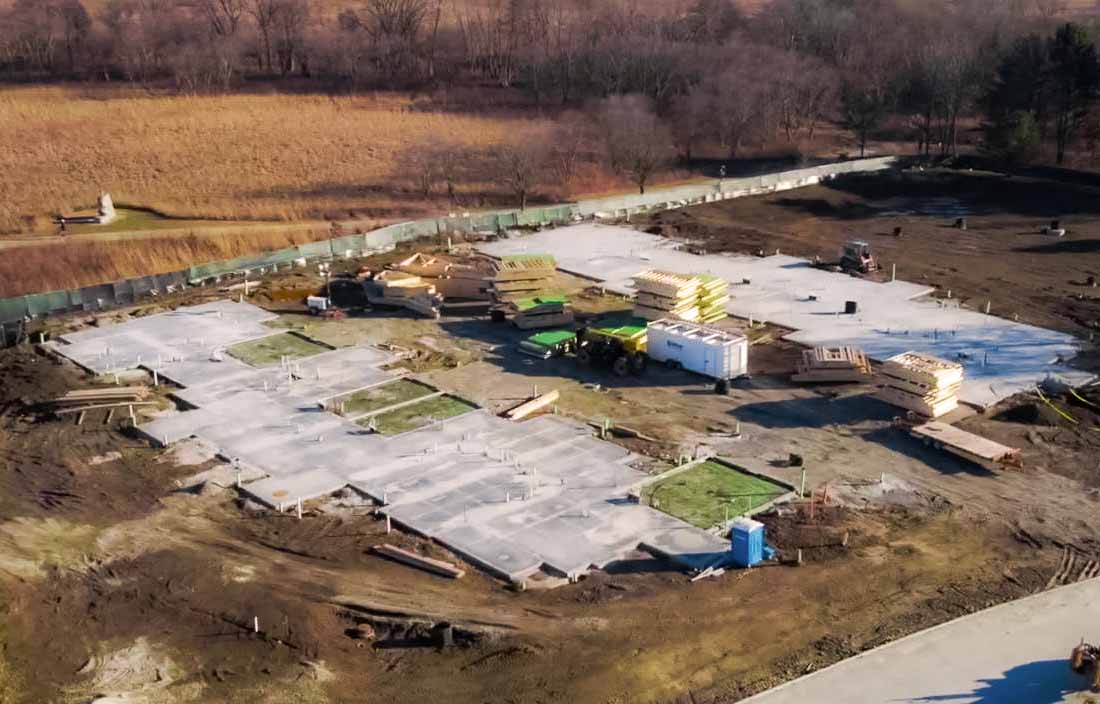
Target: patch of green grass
(269,350)
(139,221)
(389,394)
(418,415)
(701,495)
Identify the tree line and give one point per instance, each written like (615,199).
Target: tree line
(696,72)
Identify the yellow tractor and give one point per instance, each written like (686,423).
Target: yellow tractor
(619,344)
(1085,660)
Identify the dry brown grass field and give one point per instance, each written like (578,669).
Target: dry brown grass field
(281,157)
(49,267)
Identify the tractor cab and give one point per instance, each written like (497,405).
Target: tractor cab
(856,256)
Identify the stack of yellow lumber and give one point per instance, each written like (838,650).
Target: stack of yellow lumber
(398,284)
(453,278)
(714,294)
(833,364)
(664,294)
(922,383)
(522,276)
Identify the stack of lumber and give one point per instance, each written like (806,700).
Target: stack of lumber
(714,294)
(982,451)
(921,383)
(664,294)
(398,284)
(106,397)
(396,288)
(542,311)
(521,276)
(464,279)
(445,569)
(833,364)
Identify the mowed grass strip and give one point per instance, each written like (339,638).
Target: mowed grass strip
(380,397)
(418,415)
(270,350)
(701,495)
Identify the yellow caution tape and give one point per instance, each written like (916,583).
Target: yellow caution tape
(1082,399)
(1057,410)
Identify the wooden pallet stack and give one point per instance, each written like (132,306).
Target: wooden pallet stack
(664,294)
(832,364)
(921,383)
(522,276)
(714,294)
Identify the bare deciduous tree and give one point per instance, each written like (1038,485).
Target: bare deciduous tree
(521,166)
(224,15)
(637,142)
(265,13)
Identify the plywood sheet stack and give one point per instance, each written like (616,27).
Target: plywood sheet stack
(522,276)
(922,383)
(714,294)
(664,294)
(832,364)
(453,279)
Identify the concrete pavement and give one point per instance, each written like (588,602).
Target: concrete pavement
(1015,653)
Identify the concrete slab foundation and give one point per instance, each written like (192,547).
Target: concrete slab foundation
(1000,357)
(515,498)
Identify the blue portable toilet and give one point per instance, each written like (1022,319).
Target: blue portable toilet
(747,542)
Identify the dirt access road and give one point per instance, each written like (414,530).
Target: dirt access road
(1001,257)
(152,591)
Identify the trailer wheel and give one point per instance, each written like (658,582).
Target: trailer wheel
(638,363)
(497,316)
(621,366)
(584,356)
(722,387)
(672,364)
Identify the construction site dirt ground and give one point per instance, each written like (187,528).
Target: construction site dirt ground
(120,575)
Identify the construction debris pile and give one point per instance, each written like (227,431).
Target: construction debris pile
(833,364)
(522,288)
(922,383)
(694,298)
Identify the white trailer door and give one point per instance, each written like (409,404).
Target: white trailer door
(712,360)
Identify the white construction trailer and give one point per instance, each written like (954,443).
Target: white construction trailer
(714,353)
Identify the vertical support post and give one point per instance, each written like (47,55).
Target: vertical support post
(299,508)
(389,525)
(893,272)
(255,624)
(802,488)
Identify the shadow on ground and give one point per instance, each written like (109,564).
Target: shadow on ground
(1039,682)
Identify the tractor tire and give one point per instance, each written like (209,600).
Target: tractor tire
(621,366)
(584,356)
(638,363)
(722,387)
(670,364)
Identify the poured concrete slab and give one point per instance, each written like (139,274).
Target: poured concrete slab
(1000,357)
(1015,653)
(512,497)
